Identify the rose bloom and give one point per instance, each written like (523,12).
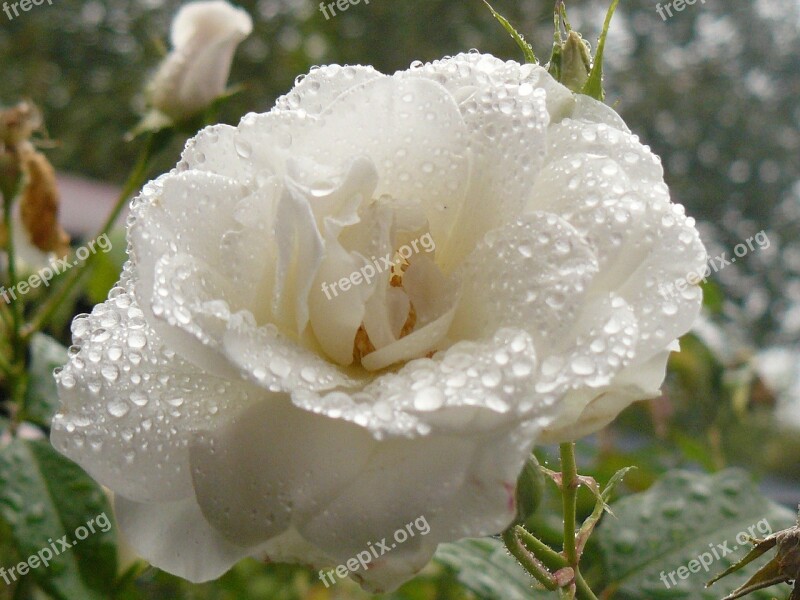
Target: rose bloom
(239,407)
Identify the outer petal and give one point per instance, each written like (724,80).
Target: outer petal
(611,189)
(129,404)
(603,181)
(471,385)
(171,255)
(176,537)
(252,493)
(318,90)
(533,272)
(339,497)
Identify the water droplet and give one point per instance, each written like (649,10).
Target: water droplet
(137,339)
(280,367)
(429,399)
(243,147)
(491,378)
(138,398)
(118,408)
(582,365)
(110,372)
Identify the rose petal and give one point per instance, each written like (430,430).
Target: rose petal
(129,404)
(177,537)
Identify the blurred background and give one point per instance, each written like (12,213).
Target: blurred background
(714,90)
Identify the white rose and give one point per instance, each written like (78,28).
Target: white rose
(204,37)
(217,393)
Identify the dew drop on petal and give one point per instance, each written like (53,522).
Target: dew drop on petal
(243,147)
(582,366)
(137,339)
(139,399)
(118,408)
(428,399)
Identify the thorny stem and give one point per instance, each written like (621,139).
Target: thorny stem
(527,560)
(569,496)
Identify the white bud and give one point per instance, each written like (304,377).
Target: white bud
(204,37)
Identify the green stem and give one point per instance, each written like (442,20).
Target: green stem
(583,589)
(569,497)
(549,557)
(5,365)
(134,182)
(5,315)
(528,561)
(15,306)
(15,366)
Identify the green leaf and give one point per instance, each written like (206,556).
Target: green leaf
(41,396)
(484,567)
(44,497)
(615,480)
(594,85)
(527,49)
(680,518)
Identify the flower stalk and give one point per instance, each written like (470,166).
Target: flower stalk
(546,565)
(135,180)
(569,497)
(13,314)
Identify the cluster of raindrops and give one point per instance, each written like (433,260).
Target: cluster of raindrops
(488,383)
(612,191)
(533,273)
(126,396)
(605,343)
(315,91)
(276,363)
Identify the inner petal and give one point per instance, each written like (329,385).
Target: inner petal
(378,296)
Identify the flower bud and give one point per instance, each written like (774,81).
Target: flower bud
(204,37)
(572,62)
(530,487)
